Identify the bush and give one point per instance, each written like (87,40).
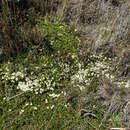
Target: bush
(17,24)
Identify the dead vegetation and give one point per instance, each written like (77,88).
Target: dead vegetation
(110,98)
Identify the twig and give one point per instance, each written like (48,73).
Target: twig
(87,113)
(91,124)
(15,96)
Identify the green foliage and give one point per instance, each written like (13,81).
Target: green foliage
(60,35)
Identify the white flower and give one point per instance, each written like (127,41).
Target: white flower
(51,89)
(21,112)
(54,95)
(4,98)
(32,73)
(46,101)
(54,84)
(26,104)
(67,69)
(73,56)
(9,109)
(29,83)
(64,93)
(36,92)
(12,77)
(128,84)
(27,79)
(92,73)
(75,30)
(16,79)
(13,74)
(35,108)
(79,66)
(18,74)
(107,75)
(35,82)
(7,68)
(81,87)
(98,75)
(112,77)
(52,106)
(48,83)
(80,78)
(41,90)
(66,105)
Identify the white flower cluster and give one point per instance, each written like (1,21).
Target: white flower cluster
(31,85)
(122,83)
(80,77)
(100,67)
(54,95)
(66,68)
(128,84)
(27,104)
(15,76)
(24,87)
(51,107)
(21,111)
